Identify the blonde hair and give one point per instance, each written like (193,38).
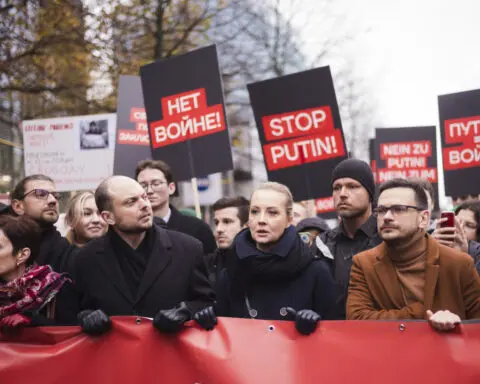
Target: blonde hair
(309,206)
(280,188)
(74,211)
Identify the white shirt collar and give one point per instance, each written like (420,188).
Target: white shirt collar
(167,217)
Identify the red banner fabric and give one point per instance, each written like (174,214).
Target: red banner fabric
(244,351)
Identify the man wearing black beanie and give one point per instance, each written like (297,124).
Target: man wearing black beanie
(353,194)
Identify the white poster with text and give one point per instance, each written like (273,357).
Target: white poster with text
(76,152)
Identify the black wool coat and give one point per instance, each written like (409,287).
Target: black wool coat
(192,226)
(65,309)
(175,272)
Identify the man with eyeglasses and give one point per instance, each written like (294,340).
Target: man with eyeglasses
(353,190)
(410,275)
(36,196)
(156,178)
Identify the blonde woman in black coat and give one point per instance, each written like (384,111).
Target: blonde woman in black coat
(270,272)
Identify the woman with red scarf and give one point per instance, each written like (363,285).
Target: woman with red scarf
(30,295)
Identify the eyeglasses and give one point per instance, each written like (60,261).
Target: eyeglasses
(42,194)
(396,209)
(155,184)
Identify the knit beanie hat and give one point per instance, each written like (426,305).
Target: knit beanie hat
(357,170)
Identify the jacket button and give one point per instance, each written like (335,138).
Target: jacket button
(138,320)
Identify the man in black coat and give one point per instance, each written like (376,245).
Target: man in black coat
(138,268)
(35,196)
(156,178)
(230,216)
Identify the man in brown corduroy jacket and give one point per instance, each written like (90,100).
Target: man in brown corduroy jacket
(410,275)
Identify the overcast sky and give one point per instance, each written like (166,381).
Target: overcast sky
(408,51)
(416,50)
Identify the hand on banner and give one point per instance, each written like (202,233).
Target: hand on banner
(94,323)
(443,320)
(11,324)
(206,318)
(172,320)
(306,320)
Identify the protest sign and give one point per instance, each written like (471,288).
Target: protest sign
(460,132)
(300,130)
(407,153)
(76,152)
(372,160)
(325,208)
(132,142)
(186,116)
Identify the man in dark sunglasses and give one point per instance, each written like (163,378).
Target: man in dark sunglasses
(36,196)
(410,275)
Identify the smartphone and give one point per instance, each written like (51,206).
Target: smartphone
(450,222)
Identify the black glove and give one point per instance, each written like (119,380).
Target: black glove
(306,320)
(206,318)
(94,323)
(172,320)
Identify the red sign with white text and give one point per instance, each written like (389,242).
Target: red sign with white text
(311,136)
(140,135)
(406,159)
(186,116)
(466,133)
(324,205)
(299,123)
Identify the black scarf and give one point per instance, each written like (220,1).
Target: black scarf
(132,262)
(284,261)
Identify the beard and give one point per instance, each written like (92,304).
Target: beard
(403,239)
(133,229)
(353,214)
(46,221)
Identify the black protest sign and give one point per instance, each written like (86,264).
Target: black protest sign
(409,152)
(300,130)
(132,143)
(186,115)
(460,132)
(371,155)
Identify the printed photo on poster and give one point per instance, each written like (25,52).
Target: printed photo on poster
(76,151)
(94,134)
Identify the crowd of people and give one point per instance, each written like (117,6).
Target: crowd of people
(128,251)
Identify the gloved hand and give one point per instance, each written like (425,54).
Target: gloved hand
(206,318)
(172,320)
(11,324)
(94,323)
(306,320)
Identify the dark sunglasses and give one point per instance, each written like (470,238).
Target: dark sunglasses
(42,194)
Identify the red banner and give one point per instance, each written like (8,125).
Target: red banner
(245,351)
